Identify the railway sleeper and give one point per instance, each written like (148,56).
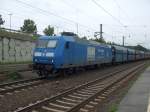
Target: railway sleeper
(50,109)
(92,90)
(97,100)
(96,87)
(59,106)
(83,110)
(82,95)
(101,97)
(76,97)
(88,91)
(35,111)
(2,89)
(82,92)
(65,103)
(89,106)
(99,84)
(71,100)
(7,87)
(93,103)
(21,84)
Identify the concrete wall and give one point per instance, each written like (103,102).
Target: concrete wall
(15,49)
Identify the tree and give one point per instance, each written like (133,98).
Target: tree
(1,20)
(100,40)
(49,30)
(138,47)
(29,26)
(84,37)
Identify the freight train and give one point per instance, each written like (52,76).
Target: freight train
(54,54)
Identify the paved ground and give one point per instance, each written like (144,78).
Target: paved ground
(14,67)
(138,97)
(28,74)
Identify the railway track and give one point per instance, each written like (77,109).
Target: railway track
(8,88)
(85,97)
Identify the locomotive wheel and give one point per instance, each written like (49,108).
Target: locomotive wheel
(39,73)
(69,71)
(43,73)
(55,73)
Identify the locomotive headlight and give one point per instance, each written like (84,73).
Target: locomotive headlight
(50,54)
(37,54)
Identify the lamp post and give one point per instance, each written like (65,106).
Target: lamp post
(10,20)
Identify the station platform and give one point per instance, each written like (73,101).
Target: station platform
(138,97)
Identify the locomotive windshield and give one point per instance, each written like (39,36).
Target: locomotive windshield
(41,43)
(52,44)
(46,43)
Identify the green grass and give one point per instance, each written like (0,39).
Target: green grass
(14,75)
(113,108)
(20,36)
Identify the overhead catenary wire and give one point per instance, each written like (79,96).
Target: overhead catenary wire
(17,15)
(75,8)
(121,9)
(101,7)
(53,14)
(113,17)
(84,14)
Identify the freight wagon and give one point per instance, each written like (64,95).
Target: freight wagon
(119,54)
(131,55)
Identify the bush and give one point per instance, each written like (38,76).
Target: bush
(20,36)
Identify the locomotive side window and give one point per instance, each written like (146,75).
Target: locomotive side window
(67,45)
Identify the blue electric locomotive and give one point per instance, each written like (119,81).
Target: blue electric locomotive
(56,53)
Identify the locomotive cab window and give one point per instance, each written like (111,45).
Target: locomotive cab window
(46,43)
(67,45)
(52,44)
(41,43)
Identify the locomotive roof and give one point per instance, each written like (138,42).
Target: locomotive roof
(75,39)
(48,37)
(90,42)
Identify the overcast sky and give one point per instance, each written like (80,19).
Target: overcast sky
(130,18)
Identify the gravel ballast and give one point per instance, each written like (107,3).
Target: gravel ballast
(22,98)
